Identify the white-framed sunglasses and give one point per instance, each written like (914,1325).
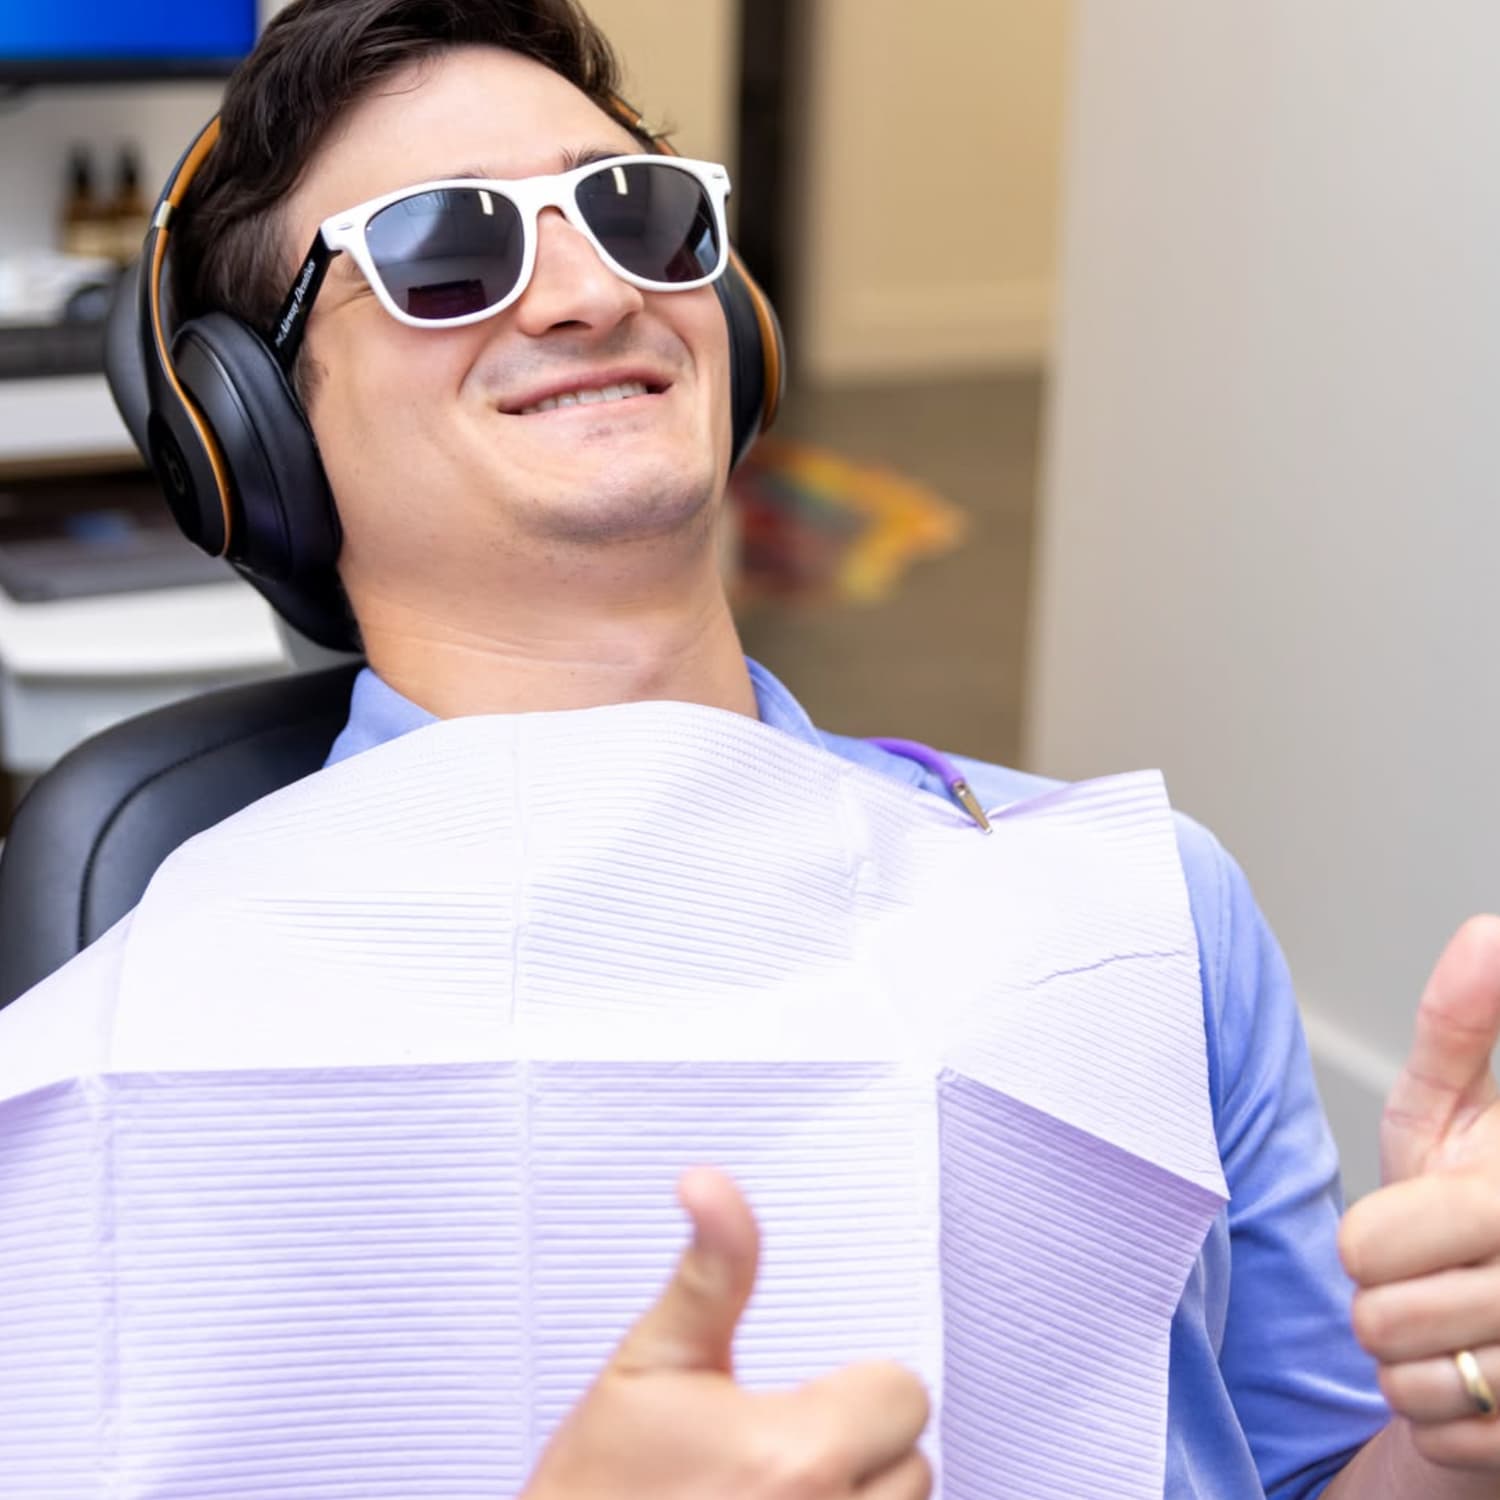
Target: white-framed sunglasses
(448,253)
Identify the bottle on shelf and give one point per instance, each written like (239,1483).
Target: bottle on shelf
(87,225)
(130,214)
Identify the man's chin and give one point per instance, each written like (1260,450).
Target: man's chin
(628,504)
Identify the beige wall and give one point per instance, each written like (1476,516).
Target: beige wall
(931,182)
(681,67)
(1270,531)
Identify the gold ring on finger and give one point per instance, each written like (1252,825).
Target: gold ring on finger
(1481,1393)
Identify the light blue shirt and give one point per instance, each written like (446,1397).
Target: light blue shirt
(1268,1392)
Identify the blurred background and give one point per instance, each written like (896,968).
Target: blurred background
(1139,417)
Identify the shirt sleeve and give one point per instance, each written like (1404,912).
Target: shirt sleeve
(1304,1391)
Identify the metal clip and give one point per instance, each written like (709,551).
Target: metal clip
(964,796)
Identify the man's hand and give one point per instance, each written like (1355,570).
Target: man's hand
(666,1420)
(1425,1249)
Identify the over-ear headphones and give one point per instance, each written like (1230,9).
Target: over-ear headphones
(233,451)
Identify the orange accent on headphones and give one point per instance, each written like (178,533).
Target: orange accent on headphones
(770,340)
(186,171)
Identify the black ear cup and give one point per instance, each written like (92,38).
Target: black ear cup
(283,523)
(224,431)
(756,353)
(185,472)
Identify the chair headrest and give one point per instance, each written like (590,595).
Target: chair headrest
(88,837)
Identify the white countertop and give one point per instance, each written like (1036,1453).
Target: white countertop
(180,632)
(61,417)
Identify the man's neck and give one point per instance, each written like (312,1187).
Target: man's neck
(559,653)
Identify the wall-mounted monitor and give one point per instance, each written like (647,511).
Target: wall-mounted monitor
(82,41)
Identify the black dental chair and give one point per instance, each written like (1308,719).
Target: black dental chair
(88,837)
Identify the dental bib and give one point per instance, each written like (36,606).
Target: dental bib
(339,1167)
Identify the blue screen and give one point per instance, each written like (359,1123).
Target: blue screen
(58,32)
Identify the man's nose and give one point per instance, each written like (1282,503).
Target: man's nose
(571,285)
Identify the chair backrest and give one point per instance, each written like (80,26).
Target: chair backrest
(89,835)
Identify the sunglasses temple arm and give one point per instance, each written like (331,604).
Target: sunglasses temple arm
(290,326)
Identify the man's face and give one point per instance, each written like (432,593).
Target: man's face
(444,481)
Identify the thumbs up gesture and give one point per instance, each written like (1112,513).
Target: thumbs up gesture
(665,1418)
(1424,1251)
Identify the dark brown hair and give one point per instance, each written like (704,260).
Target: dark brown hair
(315,59)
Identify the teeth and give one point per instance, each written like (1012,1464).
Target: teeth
(593,397)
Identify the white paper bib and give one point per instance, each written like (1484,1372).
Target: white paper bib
(339,1169)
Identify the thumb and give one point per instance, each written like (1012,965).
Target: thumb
(1446,1081)
(691,1325)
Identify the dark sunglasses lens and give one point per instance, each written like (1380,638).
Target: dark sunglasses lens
(655,219)
(449,252)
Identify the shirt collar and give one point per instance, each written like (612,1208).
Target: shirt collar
(378,713)
(778,709)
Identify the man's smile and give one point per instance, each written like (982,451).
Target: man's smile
(592,389)
(589,397)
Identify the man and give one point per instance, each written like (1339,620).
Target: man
(527,496)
